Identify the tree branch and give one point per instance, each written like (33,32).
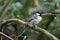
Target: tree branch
(30,26)
(6,36)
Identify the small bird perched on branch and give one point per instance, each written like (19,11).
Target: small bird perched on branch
(35,19)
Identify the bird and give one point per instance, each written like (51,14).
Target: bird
(35,19)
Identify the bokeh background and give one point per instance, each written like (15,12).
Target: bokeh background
(24,9)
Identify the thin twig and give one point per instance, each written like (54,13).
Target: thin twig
(5,9)
(5,5)
(6,36)
(50,14)
(20,34)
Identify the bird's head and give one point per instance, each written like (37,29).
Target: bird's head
(38,13)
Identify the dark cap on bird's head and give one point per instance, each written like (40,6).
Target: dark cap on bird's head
(38,13)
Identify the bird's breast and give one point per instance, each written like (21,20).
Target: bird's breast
(38,19)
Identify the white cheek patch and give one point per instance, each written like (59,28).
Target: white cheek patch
(37,14)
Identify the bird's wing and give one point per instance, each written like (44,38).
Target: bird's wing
(32,18)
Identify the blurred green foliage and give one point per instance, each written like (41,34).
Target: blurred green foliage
(21,8)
